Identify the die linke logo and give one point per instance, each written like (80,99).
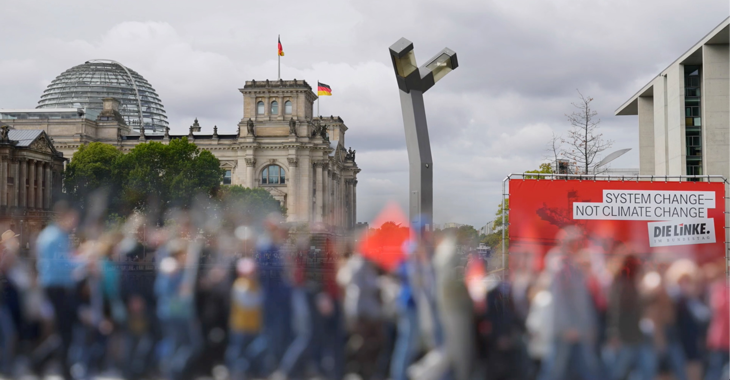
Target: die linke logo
(697,231)
(674,217)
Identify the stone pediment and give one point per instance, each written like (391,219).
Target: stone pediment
(42,144)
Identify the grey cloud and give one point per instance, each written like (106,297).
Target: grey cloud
(520,63)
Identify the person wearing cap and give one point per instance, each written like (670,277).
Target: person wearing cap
(56,265)
(245,320)
(8,331)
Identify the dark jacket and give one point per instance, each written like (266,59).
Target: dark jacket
(625,310)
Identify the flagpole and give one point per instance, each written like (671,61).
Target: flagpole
(318,97)
(278,55)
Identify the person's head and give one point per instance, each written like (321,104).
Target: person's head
(714,271)
(177,252)
(246,267)
(67,217)
(135,225)
(570,239)
(630,267)
(10,241)
(684,275)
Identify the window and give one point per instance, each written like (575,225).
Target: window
(693,118)
(694,143)
(274,107)
(287,107)
(273,175)
(260,108)
(227,177)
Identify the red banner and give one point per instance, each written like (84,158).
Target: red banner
(679,218)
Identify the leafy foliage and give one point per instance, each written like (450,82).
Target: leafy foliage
(91,168)
(545,168)
(250,205)
(466,236)
(494,239)
(169,175)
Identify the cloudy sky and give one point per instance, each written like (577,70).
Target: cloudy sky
(520,65)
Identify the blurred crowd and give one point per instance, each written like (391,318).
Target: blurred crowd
(144,300)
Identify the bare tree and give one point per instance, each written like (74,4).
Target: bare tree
(555,152)
(584,141)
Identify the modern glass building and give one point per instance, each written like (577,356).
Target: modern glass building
(84,86)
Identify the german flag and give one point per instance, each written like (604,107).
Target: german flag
(281,50)
(323,89)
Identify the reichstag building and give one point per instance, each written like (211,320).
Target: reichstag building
(280,145)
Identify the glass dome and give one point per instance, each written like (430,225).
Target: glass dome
(84,86)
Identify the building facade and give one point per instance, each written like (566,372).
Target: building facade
(31,170)
(684,112)
(279,145)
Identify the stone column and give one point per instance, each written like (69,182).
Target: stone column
(333,199)
(23,190)
(48,201)
(319,189)
(353,221)
(250,167)
(4,181)
(16,183)
(292,196)
(354,202)
(39,185)
(31,183)
(305,189)
(330,197)
(350,222)
(326,195)
(341,202)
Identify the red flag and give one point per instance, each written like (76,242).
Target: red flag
(384,246)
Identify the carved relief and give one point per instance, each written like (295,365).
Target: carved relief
(293,162)
(250,162)
(41,145)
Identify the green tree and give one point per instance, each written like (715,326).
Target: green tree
(173,173)
(92,168)
(545,168)
(248,205)
(467,236)
(499,224)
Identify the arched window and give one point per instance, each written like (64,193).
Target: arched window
(274,107)
(273,175)
(287,107)
(260,108)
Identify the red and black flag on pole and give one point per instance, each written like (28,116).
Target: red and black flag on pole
(323,89)
(281,50)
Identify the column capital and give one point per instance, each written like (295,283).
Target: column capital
(250,162)
(321,164)
(293,161)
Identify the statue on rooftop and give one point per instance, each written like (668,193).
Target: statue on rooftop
(292,127)
(250,127)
